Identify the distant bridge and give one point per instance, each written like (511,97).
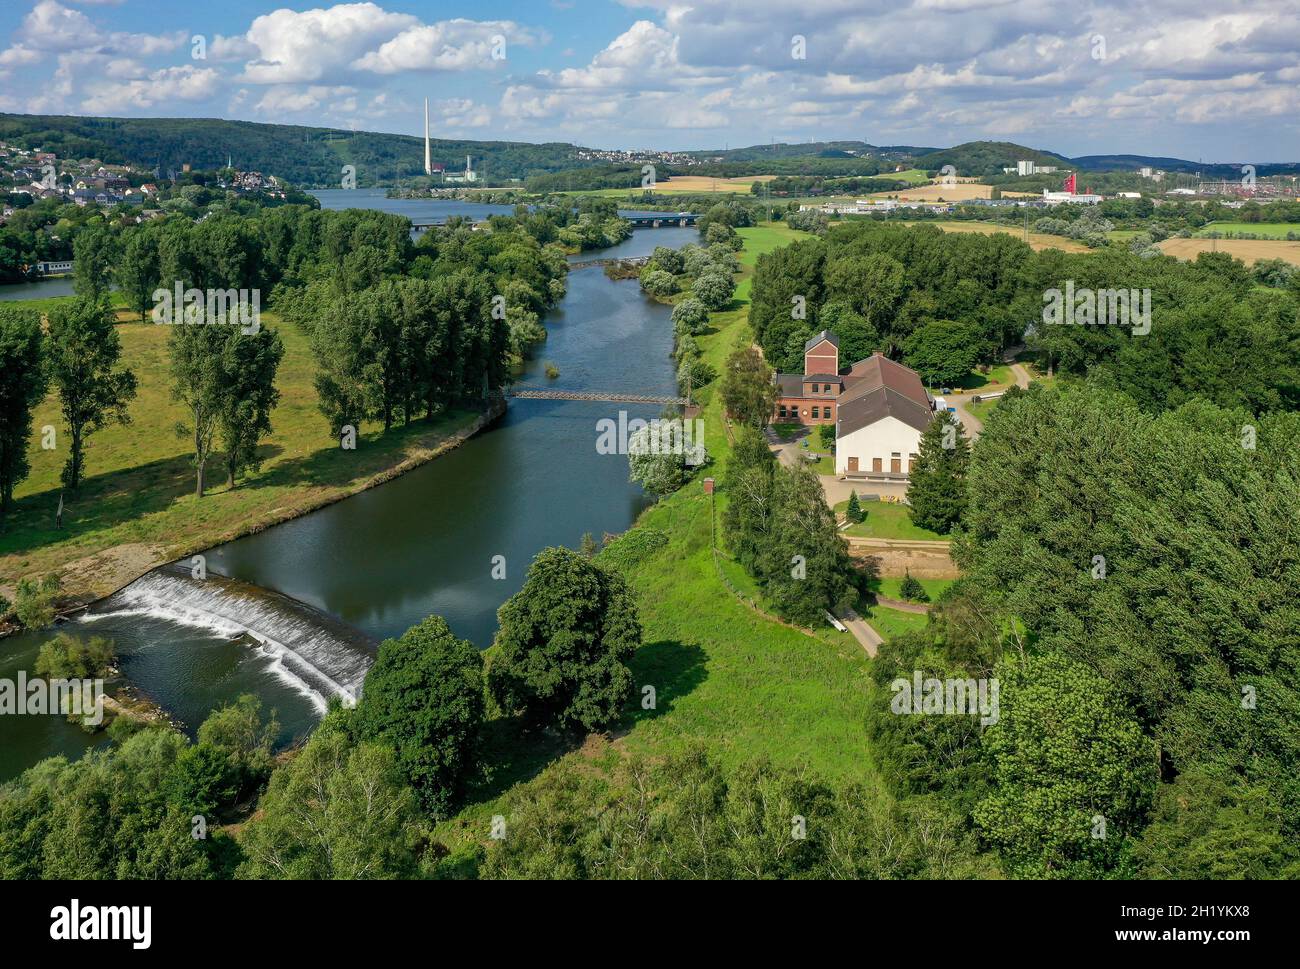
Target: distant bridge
(529,393)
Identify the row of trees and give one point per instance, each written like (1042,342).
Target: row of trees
(78,354)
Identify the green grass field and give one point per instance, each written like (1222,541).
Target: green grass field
(889,587)
(913,175)
(137,507)
(885,520)
(1264,230)
(742,685)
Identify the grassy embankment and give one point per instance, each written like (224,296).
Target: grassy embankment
(743,685)
(885,519)
(137,507)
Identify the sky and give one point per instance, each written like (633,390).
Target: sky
(1216,80)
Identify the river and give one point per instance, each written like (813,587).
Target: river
(382,560)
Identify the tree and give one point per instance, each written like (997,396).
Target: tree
(424,699)
(83,352)
(337,811)
(200,383)
(656,282)
(911,589)
(1073,776)
(66,657)
(34,601)
(690,317)
(23,382)
(936,493)
(803,560)
(749,392)
(853,512)
(714,289)
(943,352)
(94,253)
(137,270)
(657,456)
(564,640)
(249,364)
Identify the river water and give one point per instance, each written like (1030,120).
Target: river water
(383,560)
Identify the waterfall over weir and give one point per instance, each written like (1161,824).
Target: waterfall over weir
(315,654)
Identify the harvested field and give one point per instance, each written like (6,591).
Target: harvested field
(1247,250)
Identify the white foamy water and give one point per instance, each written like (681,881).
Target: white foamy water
(306,650)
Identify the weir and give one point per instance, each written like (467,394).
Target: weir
(314,653)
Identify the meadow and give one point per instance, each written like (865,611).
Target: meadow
(1270,230)
(137,508)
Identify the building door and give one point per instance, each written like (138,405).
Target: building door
(895,465)
(853,464)
(875,464)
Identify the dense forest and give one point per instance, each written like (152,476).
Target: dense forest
(307,156)
(1127,546)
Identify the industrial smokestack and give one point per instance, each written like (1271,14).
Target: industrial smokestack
(428,157)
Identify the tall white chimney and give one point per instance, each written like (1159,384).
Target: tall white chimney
(428,158)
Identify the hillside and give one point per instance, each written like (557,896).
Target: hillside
(305,156)
(986,157)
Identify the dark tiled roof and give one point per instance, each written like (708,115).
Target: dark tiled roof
(823,335)
(877,388)
(790,384)
(822,377)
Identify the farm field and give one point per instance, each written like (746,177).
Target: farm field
(961,192)
(686,185)
(1272,230)
(1248,250)
(1037,240)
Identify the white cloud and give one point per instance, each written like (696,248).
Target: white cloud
(185,83)
(452,45)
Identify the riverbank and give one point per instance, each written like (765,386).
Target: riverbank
(137,510)
(727,678)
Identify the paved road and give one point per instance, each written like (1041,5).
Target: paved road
(870,639)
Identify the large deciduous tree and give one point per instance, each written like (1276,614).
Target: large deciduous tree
(561,652)
(83,353)
(424,698)
(23,381)
(748,391)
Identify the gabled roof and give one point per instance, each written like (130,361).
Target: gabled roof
(878,387)
(823,335)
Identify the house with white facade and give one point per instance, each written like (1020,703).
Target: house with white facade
(879,407)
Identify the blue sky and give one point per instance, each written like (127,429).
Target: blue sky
(1218,80)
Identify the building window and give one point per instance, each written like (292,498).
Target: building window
(817,412)
(781,410)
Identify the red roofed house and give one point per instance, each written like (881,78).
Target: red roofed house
(879,407)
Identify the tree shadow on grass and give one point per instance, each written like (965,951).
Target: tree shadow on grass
(673,668)
(513,753)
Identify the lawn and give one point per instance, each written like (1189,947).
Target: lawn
(893,622)
(1268,230)
(727,678)
(998,378)
(889,587)
(137,507)
(982,409)
(885,519)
